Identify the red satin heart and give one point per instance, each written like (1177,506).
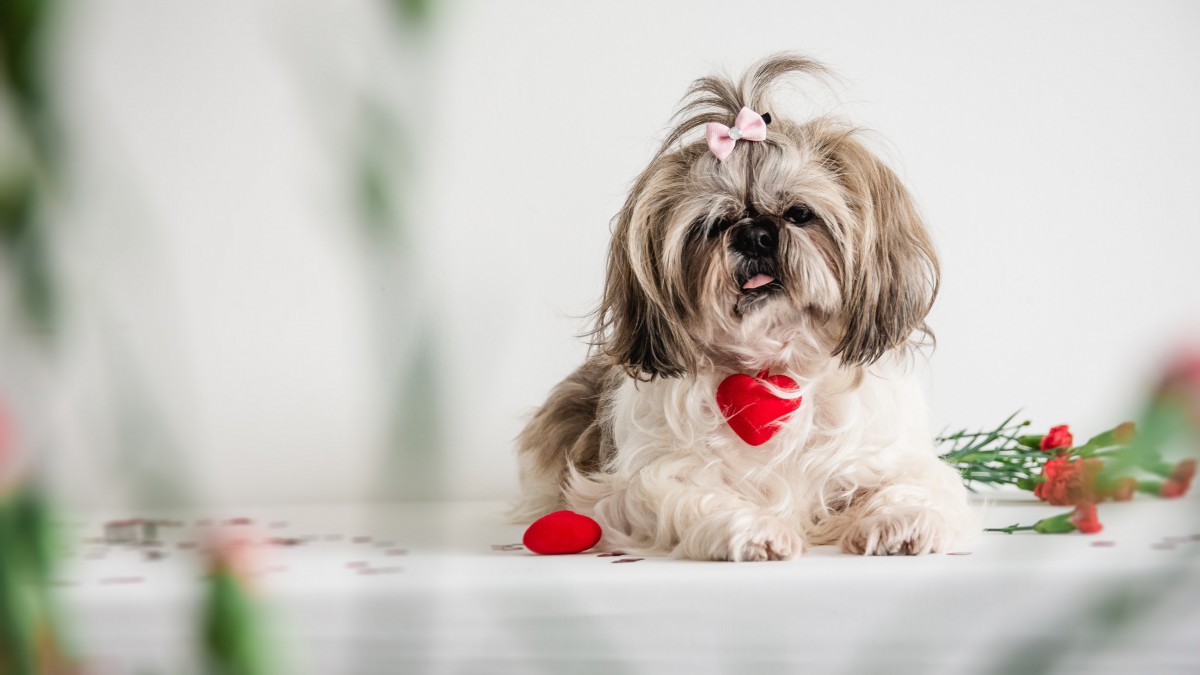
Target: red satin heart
(753,411)
(561,532)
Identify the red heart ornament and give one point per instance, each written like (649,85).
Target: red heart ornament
(753,411)
(561,532)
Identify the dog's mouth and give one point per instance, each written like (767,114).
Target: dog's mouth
(756,286)
(758,281)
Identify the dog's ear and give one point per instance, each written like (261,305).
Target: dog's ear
(640,323)
(893,276)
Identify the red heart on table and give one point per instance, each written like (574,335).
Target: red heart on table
(754,412)
(561,532)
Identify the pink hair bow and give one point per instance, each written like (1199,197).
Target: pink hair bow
(749,126)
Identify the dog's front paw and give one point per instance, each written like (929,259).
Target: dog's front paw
(899,531)
(738,539)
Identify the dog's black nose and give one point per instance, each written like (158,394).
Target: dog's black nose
(756,239)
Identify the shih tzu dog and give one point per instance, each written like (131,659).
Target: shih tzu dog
(748,393)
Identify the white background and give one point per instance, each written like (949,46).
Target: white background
(212,270)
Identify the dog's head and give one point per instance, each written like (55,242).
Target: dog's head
(799,244)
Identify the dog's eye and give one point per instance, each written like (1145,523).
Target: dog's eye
(719,226)
(798,215)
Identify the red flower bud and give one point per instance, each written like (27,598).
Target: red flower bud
(1125,488)
(1180,480)
(1184,471)
(1085,520)
(1058,437)
(1125,432)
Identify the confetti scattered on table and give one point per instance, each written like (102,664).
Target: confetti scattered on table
(625,560)
(381,570)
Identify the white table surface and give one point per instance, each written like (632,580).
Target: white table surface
(431,592)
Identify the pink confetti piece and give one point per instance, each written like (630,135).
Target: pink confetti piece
(362,539)
(381,570)
(1104,544)
(610,554)
(959,553)
(628,560)
(508,547)
(357,563)
(122,580)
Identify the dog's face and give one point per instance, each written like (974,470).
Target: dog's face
(801,245)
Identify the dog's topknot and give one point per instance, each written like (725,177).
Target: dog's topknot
(718,98)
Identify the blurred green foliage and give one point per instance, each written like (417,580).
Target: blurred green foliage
(30,628)
(24,30)
(232,624)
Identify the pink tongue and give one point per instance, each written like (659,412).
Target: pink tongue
(757,280)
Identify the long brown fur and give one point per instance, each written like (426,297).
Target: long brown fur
(567,430)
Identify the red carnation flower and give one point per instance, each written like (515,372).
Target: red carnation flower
(1068,482)
(1085,519)
(1058,437)
(1185,368)
(1180,480)
(1171,489)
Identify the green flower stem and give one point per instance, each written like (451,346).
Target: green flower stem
(1158,467)
(1015,527)
(1059,524)
(1150,487)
